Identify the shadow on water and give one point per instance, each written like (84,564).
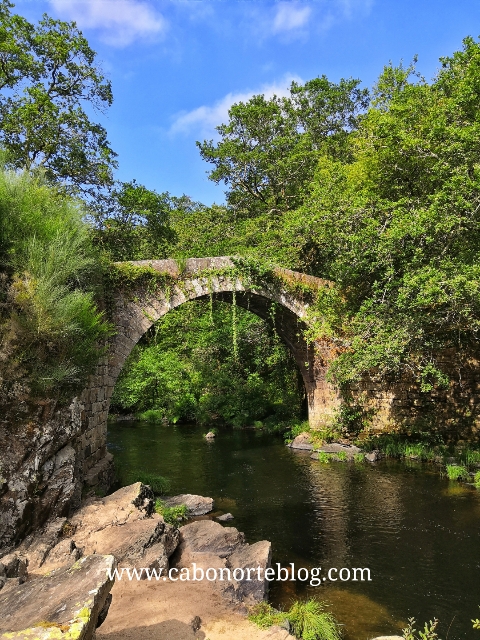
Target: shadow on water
(418,533)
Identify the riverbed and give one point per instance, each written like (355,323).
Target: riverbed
(417,532)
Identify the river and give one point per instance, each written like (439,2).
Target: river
(418,533)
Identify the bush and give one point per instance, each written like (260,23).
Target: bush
(50,328)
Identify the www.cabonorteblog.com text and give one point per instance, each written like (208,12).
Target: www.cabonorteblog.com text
(313,576)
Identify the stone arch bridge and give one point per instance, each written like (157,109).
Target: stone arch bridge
(49,453)
(137,307)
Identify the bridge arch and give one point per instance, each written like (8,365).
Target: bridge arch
(134,309)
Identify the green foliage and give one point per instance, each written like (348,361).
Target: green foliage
(186,369)
(171,515)
(151,415)
(50,81)
(476,479)
(324,457)
(457,472)
(158,484)
(359,458)
(428,633)
(308,620)
(264,615)
(398,190)
(424,446)
(133,222)
(476,623)
(50,328)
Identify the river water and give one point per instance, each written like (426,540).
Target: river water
(418,533)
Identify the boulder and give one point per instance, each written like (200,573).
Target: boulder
(373,456)
(211,546)
(302,441)
(122,524)
(225,517)
(210,435)
(65,603)
(196,505)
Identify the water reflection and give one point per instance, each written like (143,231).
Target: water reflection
(417,532)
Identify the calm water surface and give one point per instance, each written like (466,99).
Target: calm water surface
(417,532)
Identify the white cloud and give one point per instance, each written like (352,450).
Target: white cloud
(120,22)
(204,119)
(290,16)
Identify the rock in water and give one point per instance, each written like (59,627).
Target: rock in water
(303,441)
(196,505)
(210,435)
(64,603)
(373,456)
(225,517)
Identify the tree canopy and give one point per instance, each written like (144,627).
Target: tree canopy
(49,80)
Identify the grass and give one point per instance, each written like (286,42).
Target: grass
(172,515)
(476,479)
(308,620)
(359,458)
(158,484)
(457,472)
(324,457)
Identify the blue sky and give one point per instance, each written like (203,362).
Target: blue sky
(177,65)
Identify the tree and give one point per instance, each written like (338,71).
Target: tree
(48,78)
(270,147)
(133,222)
(397,228)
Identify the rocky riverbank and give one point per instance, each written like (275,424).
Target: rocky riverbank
(56,583)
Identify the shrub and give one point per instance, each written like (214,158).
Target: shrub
(50,328)
(151,415)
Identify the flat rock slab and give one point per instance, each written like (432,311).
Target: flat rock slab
(302,441)
(225,517)
(211,546)
(196,505)
(63,604)
(338,447)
